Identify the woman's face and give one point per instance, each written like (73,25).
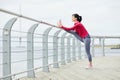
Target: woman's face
(74,19)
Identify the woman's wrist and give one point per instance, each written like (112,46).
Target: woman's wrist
(61,26)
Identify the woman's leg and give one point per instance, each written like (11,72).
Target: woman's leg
(87,42)
(76,35)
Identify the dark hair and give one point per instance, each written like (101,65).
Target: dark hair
(79,18)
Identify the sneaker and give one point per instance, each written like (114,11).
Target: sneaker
(89,67)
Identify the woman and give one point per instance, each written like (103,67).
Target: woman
(79,31)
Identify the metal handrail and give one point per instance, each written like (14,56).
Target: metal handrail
(28,18)
(105,36)
(30,69)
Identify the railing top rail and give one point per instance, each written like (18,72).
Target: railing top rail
(105,36)
(25,17)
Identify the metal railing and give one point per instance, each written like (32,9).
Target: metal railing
(70,48)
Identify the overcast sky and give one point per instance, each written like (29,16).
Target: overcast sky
(100,17)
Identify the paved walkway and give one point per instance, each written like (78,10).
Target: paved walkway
(105,68)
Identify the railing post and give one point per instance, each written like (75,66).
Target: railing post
(30,51)
(76,46)
(68,49)
(79,49)
(7,48)
(63,49)
(45,50)
(103,46)
(93,50)
(73,49)
(55,47)
(100,41)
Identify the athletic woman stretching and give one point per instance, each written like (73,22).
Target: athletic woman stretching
(79,31)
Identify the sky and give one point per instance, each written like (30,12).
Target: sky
(100,17)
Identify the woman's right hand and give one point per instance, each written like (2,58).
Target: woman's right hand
(60,24)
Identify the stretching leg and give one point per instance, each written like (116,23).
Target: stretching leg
(87,48)
(87,42)
(76,35)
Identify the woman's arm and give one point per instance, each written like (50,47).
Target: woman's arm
(71,28)
(68,29)
(65,28)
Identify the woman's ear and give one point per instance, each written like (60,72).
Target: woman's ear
(75,18)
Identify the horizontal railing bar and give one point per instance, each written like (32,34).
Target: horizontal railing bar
(32,69)
(18,41)
(19,37)
(1,52)
(105,36)
(34,50)
(25,17)
(29,59)
(28,41)
(71,37)
(38,50)
(18,51)
(43,49)
(18,31)
(50,56)
(34,33)
(38,37)
(114,37)
(15,62)
(48,49)
(43,42)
